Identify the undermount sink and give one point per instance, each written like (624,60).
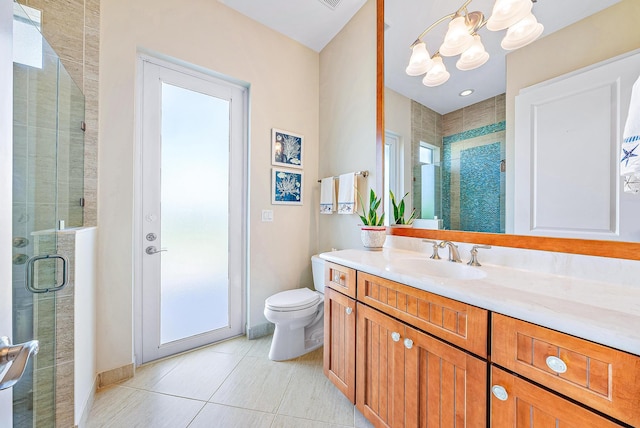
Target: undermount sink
(437,268)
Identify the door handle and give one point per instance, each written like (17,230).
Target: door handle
(153,250)
(17,356)
(30,266)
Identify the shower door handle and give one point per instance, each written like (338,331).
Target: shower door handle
(30,273)
(16,357)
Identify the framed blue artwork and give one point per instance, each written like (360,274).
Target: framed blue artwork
(286,148)
(286,186)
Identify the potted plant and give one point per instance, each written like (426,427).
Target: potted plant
(398,212)
(373,232)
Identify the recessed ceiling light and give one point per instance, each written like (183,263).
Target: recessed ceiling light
(466,92)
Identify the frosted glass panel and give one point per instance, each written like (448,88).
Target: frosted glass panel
(194,192)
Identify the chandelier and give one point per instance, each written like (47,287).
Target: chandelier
(462,38)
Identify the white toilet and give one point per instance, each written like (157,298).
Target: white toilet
(299,317)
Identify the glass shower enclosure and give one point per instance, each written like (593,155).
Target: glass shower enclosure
(48,171)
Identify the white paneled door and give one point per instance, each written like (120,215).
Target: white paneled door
(192,209)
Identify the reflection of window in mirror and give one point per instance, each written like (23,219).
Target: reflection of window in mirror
(429,157)
(392,172)
(429,154)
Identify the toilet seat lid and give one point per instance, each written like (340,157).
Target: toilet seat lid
(292,300)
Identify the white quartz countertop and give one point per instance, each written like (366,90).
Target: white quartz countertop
(605,313)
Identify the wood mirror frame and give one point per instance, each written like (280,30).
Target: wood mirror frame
(613,249)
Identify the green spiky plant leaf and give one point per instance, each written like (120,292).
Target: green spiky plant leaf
(398,210)
(369,216)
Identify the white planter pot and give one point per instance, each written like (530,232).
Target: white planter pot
(373,237)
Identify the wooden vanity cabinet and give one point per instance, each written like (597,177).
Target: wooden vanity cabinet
(525,405)
(410,358)
(406,378)
(597,376)
(339,355)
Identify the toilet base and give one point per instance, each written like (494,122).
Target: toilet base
(290,343)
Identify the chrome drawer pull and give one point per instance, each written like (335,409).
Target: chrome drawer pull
(408,343)
(499,392)
(395,336)
(556,364)
(348,310)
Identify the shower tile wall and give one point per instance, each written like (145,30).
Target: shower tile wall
(72,27)
(474,132)
(465,129)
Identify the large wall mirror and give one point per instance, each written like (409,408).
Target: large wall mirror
(443,137)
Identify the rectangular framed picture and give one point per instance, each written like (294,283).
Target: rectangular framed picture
(286,148)
(286,186)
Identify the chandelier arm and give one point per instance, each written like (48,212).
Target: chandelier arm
(451,15)
(430,27)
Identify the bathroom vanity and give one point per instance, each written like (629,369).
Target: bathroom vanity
(419,342)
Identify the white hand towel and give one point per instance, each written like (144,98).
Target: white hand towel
(327,196)
(347,194)
(630,156)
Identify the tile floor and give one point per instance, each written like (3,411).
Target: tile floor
(227,385)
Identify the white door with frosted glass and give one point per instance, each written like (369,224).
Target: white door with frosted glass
(193,199)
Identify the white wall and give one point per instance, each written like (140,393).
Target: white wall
(348,118)
(397,119)
(284,82)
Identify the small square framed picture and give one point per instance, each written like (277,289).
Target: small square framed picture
(286,186)
(286,148)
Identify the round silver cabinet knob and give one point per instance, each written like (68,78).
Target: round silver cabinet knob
(408,343)
(556,364)
(348,310)
(499,392)
(395,336)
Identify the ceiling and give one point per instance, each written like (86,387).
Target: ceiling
(313,23)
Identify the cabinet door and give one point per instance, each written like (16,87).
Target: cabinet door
(445,387)
(340,342)
(380,368)
(516,403)
(409,379)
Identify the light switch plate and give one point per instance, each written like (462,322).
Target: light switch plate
(267,215)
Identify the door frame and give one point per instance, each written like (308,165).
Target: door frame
(137,239)
(6,186)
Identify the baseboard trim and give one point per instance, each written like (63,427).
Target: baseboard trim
(260,330)
(116,375)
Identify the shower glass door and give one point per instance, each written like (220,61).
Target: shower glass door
(48,170)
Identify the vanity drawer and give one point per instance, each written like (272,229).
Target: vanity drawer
(340,278)
(600,377)
(455,322)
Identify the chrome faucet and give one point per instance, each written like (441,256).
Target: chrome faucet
(435,254)
(454,255)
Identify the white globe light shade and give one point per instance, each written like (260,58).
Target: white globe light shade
(473,57)
(437,75)
(508,12)
(522,33)
(420,61)
(457,39)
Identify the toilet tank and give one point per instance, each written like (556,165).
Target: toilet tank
(317,268)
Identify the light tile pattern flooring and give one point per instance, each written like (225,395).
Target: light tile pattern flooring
(227,385)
